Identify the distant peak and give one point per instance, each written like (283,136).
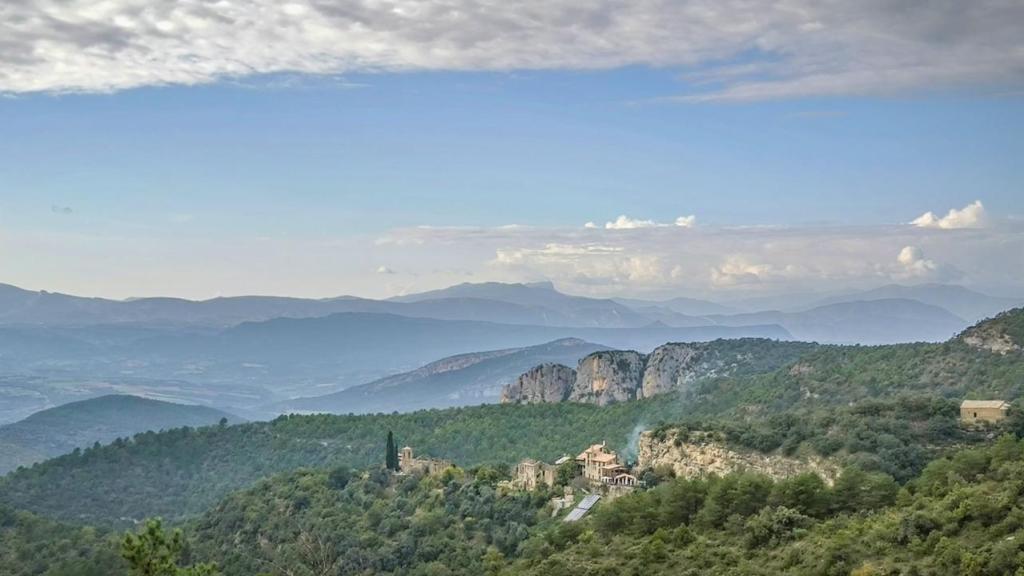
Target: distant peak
(543,285)
(567,342)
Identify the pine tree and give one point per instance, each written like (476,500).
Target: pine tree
(391,456)
(155,552)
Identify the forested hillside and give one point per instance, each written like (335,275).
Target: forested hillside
(821,402)
(60,430)
(961,515)
(183,472)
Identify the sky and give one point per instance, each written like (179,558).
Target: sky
(716,149)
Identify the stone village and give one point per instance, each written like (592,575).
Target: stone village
(599,472)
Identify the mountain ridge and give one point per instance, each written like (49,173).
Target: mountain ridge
(449,381)
(80,424)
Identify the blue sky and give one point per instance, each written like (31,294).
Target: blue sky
(121,179)
(372,152)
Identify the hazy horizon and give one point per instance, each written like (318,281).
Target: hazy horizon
(723,298)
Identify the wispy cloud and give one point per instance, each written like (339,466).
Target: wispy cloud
(731,49)
(624,222)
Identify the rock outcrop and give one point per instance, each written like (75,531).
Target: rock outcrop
(544,383)
(998,343)
(702,454)
(1002,335)
(607,377)
(619,375)
(674,366)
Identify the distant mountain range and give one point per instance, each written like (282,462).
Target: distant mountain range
(253,363)
(965,303)
(536,304)
(461,380)
(884,321)
(530,304)
(245,353)
(686,306)
(60,430)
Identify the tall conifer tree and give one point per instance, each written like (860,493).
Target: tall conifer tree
(391,456)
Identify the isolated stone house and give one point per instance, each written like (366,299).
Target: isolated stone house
(978,411)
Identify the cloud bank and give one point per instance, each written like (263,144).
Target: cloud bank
(656,261)
(664,259)
(729,49)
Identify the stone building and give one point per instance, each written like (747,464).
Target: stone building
(983,411)
(598,464)
(623,479)
(407,463)
(531,473)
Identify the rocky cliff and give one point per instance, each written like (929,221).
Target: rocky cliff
(615,376)
(702,454)
(608,377)
(675,366)
(544,383)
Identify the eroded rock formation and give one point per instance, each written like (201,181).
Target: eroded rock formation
(701,454)
(608,377)
(619,375)
(543,383)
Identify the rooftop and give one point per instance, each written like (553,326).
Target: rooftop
(985,404)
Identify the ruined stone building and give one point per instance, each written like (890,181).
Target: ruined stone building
(983,411)
(407,463)
(531,473)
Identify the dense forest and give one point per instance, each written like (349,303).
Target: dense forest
(962,515)
(180,473)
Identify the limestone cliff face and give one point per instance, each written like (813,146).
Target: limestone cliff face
(608,377)
(543,383)
(674,366)
(991,339)
(616,375)
(702,454)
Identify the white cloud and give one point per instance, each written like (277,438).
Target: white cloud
(739,269)
(743,49)
(686,221)
(913,261)
(970,216)
(624,222)
(585,264)
(384,270)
